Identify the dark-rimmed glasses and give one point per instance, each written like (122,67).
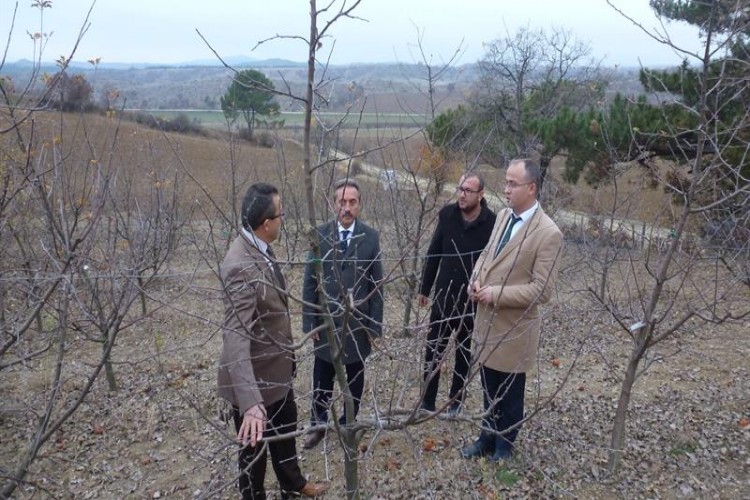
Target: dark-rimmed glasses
(463,190)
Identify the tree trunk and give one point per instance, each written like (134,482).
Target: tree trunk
(618,428)
(142,293)
(109,371)
(351,463)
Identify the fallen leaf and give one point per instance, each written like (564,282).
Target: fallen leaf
(429,444)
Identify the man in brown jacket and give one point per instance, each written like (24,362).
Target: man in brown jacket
(257,360)
(514,275)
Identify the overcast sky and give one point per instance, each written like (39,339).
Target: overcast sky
(165,31)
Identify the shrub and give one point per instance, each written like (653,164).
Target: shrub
(265,139)
(181,123)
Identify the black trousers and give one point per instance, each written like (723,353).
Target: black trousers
(437,343)
(503,402)
(282,419)
(323,378)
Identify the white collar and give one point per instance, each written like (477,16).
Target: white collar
(525,216)
(262,245)
(350,228)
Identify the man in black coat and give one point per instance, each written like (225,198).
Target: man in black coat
(462,232)
(351,294)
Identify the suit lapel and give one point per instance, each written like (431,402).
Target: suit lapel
(355,239)
(265,267)
(498,236)
(523,233)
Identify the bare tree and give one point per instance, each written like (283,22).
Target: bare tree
(79,244)
(526,78)
(676,288)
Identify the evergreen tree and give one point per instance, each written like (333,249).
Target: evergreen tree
(250,94)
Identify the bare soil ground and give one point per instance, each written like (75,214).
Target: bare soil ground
(160,434)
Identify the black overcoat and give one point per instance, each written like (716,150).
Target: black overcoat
(352,277)
(454,249)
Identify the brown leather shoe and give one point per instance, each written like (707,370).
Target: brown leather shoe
(314,490)
(312,439)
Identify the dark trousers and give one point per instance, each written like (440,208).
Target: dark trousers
(282,419)
(437,342)
(323,378)
(503,403)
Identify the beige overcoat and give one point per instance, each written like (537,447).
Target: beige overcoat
(257,358)
(522,277)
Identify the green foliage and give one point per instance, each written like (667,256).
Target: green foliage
(506,477)
(450,129)
(717,14)
(722,83)
(702,112)
(577,135)
(250,94)
(682,449)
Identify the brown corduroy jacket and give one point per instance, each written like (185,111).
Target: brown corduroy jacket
(257,359)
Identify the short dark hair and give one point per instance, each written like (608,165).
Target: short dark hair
(476,175)
(348,182)
(258,205)
(533,172)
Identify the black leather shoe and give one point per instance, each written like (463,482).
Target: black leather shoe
(428,407)
(312,439)
(503,450)
(454,409)
(475,450)
(501,454)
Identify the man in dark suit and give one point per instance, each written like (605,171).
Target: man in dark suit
(462,232)
(351,295)
(515,274)
(257,360)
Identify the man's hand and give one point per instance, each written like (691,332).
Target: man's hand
(483,295)
(473,289)
(480,294)
(253,425)
(424,301)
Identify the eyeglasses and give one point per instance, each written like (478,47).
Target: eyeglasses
(463,190)
(514,184)
(282,214)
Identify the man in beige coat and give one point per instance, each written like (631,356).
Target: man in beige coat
(257,360)
(514,275)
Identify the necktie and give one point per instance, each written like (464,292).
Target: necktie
(508,231)
(276,268)
(344,243)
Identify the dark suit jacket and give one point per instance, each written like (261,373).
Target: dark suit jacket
(522,277)
(352,277)
(450,259)
(257,357)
